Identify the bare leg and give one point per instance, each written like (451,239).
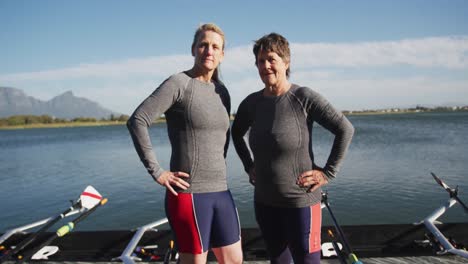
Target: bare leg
(187,258)
(231,254)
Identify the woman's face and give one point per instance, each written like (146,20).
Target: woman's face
(208,50)
(271,68)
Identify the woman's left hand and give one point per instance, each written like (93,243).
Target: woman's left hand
(313,178)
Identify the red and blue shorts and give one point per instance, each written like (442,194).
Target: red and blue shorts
(203,220)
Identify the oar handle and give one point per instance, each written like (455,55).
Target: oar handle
(353,259)
(62,231)
(169,251)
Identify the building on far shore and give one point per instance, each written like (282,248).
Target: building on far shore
(417,109)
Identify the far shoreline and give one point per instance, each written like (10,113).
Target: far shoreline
(163,120)
(63,125)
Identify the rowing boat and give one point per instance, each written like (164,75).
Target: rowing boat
(154,241)
(369,241)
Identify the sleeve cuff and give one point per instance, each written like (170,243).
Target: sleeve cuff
(156,174)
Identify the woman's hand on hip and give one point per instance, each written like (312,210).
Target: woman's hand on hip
(252,175)
(169,179)
(313,179)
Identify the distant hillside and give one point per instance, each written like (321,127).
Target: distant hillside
(15,102)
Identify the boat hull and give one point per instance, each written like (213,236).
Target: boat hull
(366,240)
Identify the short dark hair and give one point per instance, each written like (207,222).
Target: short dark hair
(274,42)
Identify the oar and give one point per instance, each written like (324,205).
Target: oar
(336,247)
(87,200)
(453,192)
(169,252)
(352,258)
(62,231)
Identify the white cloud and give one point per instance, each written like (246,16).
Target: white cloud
(155,66)
(445,52)
(238,59)
(358,94)
(329,67)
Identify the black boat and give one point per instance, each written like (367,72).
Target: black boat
(368,241)
(426,238)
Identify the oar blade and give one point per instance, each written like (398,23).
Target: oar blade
(90,197)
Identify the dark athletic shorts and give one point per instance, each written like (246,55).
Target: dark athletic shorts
(291,232)
(203,220)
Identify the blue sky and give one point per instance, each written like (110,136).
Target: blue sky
(358,54)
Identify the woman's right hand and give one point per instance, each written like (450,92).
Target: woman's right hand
(169,178)
(252,175)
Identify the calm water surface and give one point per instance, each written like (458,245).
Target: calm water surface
(385,178)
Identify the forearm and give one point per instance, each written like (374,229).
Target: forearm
(343,137)
(243,151)
(240,144)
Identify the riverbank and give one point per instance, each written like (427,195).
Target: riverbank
(61,125)
(162,120)
(68,124)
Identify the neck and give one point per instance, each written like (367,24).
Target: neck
(201,75)
(277,90)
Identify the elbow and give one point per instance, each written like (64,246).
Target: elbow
(237,137)
(348,129)
(351,130)
(235,134)
(137,121)
(237,131)
(130,123)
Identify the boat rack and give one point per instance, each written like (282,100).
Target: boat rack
(128,256)
(430,223)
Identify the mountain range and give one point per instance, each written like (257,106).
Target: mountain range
(14,101)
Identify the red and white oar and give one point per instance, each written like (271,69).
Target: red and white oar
(89,198)
(61,232)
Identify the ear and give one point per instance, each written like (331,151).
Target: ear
(193,50)
(221,57)
(287,65)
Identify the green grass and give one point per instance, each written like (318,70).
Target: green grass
(67,124)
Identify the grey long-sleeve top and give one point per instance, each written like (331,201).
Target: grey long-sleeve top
(197,115)
(281,143)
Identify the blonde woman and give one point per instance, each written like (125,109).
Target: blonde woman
(196,104)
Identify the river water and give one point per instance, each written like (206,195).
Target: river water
(385,178)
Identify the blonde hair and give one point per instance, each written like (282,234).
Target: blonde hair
(209,27)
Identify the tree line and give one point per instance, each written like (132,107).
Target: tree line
(21,120)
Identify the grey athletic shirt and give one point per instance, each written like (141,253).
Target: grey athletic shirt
(197,115)
(281,143)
